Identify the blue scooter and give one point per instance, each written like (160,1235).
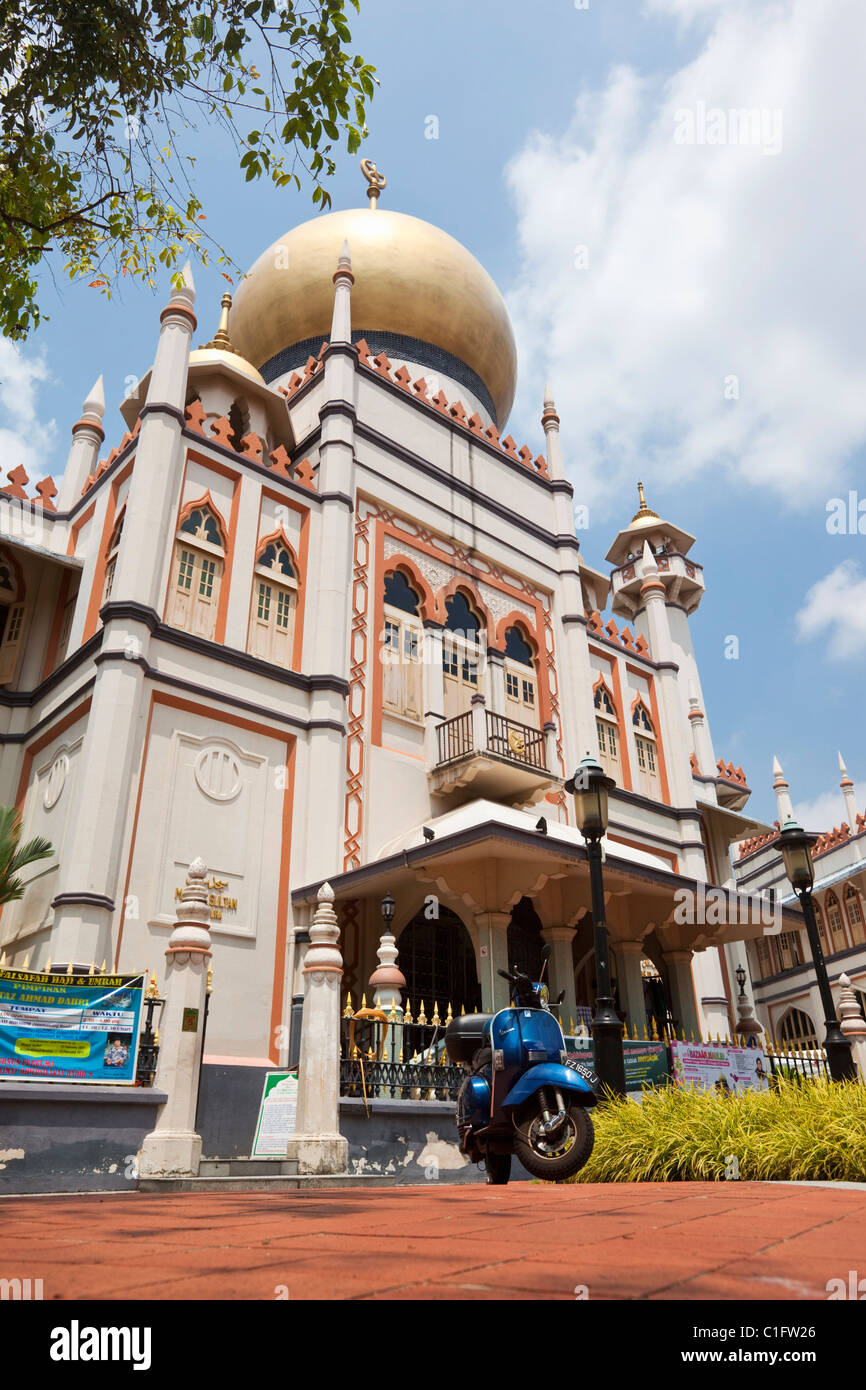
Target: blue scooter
(519,1096)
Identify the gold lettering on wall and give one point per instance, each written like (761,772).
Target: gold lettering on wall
(217,901)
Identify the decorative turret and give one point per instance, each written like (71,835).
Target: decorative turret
(550,425)
(783,799)
(849,793)
(341,323)
(682,579)
(87,436)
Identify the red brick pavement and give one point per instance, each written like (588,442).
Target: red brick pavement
(647,1240)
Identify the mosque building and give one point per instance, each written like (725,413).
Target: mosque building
(316,615)
(784,985)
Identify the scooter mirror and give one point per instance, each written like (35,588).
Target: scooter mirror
(561,997)
(545,953)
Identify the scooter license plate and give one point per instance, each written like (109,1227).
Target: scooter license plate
(585,1070)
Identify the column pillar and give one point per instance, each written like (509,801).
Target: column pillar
(492,946)
(561,970)
(90,874)
(631,996)
(330,578)
(682,991)
(173,1148)
(853,1024)
(317,1145)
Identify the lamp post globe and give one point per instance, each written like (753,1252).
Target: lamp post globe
(796,845)
(590,786)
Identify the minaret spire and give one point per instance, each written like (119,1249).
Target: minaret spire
(783,799)
(87,437)
(341,322)
(550,425)
(849,793)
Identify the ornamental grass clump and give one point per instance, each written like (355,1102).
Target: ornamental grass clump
(807,1130)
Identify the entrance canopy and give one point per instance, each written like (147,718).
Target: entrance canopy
(480,859)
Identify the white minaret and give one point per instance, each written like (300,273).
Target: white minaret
(850,794)
(783,799)
(341,322)
(550,425)
(87,438)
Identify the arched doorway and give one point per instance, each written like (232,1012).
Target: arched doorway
(438,960)
(525,942)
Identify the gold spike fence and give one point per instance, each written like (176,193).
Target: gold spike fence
(397,1052)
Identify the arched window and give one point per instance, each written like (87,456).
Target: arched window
(199,559)
(789,950)
(797,1027)
(607,731)
(111,556)
(274,603)
(646,750)
(855,914)
(521,696)
(13,612)
(461,655)
(401,649)
(838,939)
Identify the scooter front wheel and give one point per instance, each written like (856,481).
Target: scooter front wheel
(498,1168)
(556,1156)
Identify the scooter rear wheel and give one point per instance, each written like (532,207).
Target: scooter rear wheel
(498,1168)
(560,1158)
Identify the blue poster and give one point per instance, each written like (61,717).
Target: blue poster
(71,1028)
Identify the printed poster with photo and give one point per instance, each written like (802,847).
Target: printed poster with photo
(720,1066)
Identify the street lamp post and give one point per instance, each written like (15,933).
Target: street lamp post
(590,788)
(796,850)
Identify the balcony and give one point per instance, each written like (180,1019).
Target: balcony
(482,754)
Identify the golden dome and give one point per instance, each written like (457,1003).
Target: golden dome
(411,278)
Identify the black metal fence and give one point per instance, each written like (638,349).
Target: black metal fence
(396,1057)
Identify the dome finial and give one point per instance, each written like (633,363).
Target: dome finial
(221,338)
(643,510)
(375,181)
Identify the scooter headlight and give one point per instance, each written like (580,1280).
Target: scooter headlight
(543,997)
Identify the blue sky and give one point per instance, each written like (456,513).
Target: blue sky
(711,342)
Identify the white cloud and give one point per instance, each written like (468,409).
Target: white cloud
(27,437)
(824,812)
(835,610)
(706,261)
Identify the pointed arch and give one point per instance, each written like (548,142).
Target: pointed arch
(279,538)
(603,698)
(205,503)
(641,718)
(854,913)
(426,600)
(461,583)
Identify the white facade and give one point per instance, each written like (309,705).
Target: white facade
(286,626)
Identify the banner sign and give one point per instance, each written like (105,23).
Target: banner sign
(646,1063)
(277,1114)
(723,1067)
(70,1028)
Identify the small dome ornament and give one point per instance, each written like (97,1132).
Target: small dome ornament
(376,181)
(643,512)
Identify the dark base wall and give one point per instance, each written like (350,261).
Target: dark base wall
(84,1138)
(72,1138)
(404,1140)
